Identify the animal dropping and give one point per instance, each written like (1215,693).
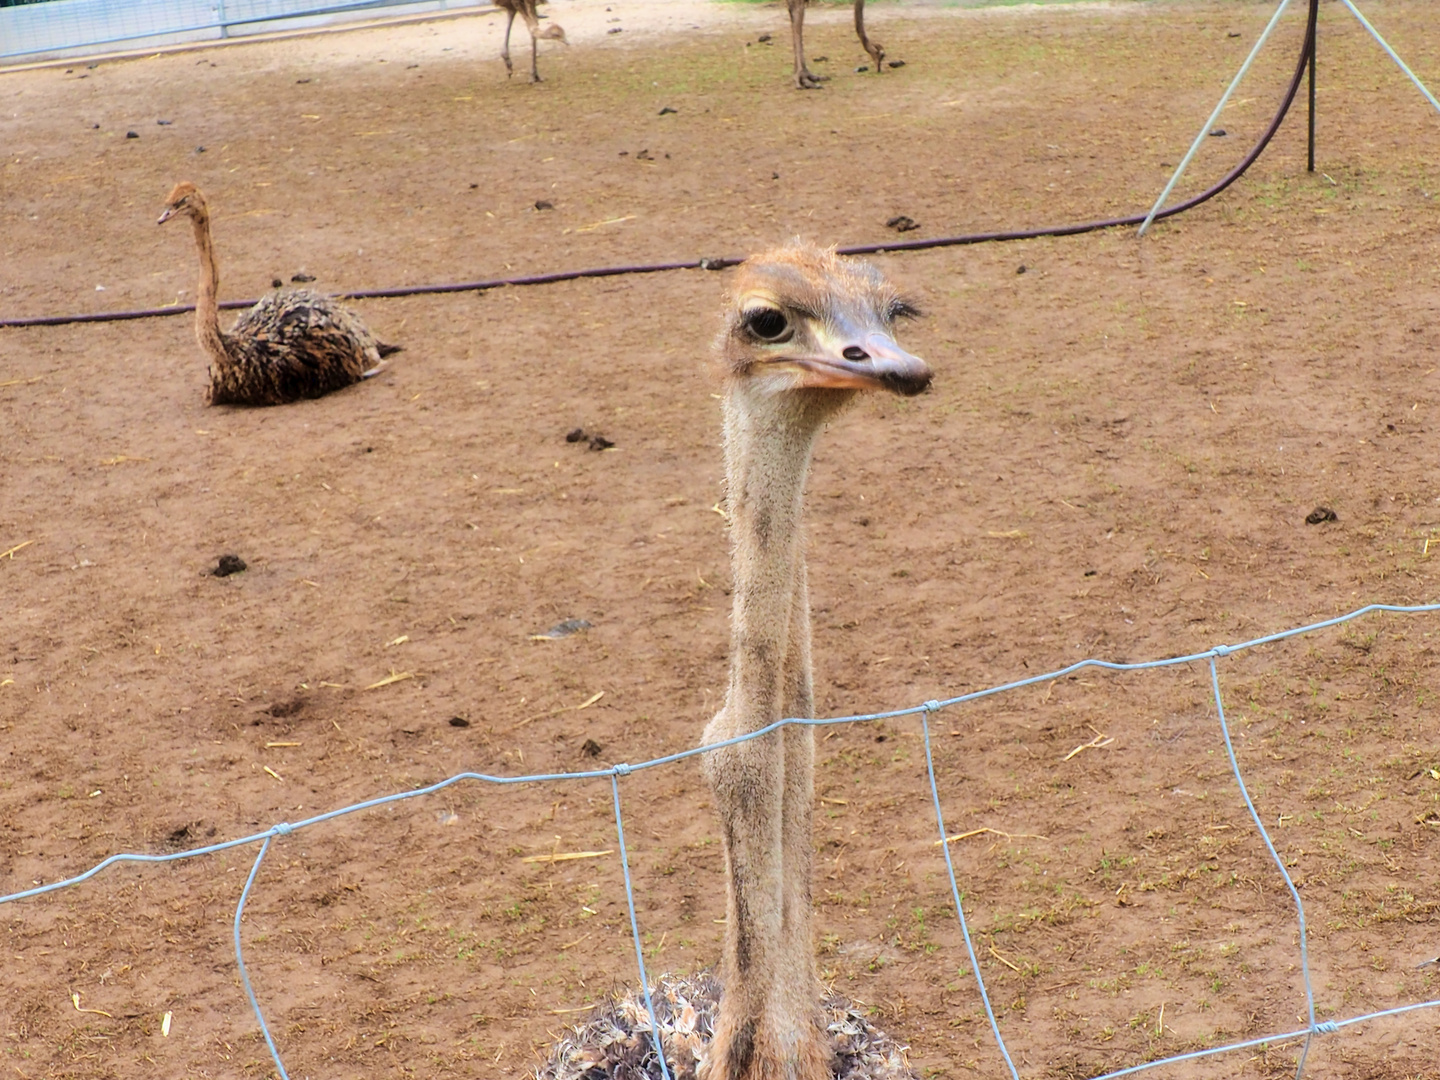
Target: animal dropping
(227,565)
(594,440)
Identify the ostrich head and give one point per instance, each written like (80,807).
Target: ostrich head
(804,319)
(185,198)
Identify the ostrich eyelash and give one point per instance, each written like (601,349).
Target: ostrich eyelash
(904,309)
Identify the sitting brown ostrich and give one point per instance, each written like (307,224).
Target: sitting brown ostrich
(293,344)
(526,10)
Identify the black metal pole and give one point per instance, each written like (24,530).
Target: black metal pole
(1310,48)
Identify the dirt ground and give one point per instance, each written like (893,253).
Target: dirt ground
(1117,459)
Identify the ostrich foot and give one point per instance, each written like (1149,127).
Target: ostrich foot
(807,80)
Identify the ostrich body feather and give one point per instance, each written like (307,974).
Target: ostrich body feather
(293,344)
(615,1042)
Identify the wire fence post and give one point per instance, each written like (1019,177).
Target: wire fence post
(929,708)
(240,959)
(1223,650)
(220,18)
(1214,116)
(1392,53)
(616,773)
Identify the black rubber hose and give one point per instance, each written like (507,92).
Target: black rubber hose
(720,264)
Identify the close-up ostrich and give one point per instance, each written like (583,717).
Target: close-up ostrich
(526,9)
(293,344)
(806,331)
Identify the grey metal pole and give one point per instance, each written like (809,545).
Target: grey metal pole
(1214,116)
(1392,53)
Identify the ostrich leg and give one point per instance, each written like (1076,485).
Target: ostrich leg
(505,49)
(874,48)
(533,25)
(804,78)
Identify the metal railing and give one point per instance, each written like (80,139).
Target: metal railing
(56,28)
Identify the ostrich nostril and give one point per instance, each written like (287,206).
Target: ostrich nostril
(854,352)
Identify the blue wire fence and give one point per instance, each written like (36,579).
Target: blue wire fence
(615,773)
(75,27)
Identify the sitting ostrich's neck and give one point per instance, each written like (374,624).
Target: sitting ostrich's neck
(207,310)
(769,440)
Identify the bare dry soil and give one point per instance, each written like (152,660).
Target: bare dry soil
(1117,459)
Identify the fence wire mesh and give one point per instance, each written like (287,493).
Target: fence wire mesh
(615,773)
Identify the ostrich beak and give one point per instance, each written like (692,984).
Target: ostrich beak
(170,211)
(877,363)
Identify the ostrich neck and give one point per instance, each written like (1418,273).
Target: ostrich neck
(207,311)
(769,440)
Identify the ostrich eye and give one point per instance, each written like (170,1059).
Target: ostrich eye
(767,324)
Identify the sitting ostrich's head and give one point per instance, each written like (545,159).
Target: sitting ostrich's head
(185,198)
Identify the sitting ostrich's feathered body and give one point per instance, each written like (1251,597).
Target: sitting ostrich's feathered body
(293,344)
(615,1041)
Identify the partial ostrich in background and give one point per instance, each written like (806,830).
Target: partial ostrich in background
(293,344)
(526,10)
(807,330)
(805,79)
